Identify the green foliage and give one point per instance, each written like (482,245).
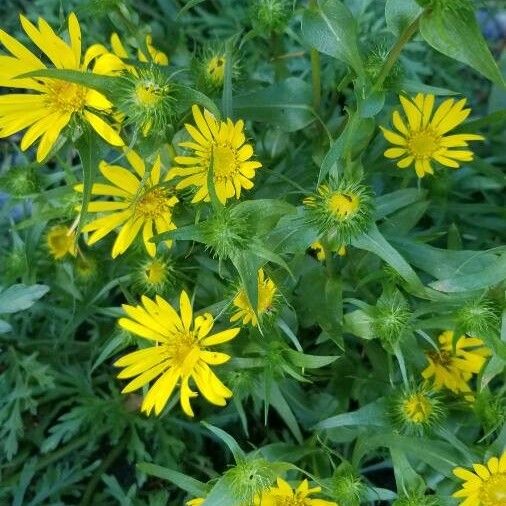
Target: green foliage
(370,264)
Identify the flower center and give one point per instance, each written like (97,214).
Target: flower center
(184,351)
(343,205)
(66,97)
(417,408)
(493,491)
(216,69)
(153,204)
(155,272)
(296,500)
(423,144)
(147,94)
(224,162)
(442,358)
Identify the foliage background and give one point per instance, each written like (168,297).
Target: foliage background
(69,437)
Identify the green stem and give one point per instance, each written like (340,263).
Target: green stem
(396,50)
(106,463)
(315,69)
(279,64)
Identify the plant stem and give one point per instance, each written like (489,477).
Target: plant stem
(396,50)
(315,69)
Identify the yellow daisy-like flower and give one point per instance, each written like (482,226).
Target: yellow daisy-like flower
(424,137)
(180,354)
(453,369)
(143,203)
(284,495)
(266,293)
(55,102)
(221,144)
(486,486)
(60,241)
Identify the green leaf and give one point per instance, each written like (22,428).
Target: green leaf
(226,99)
(278,402)
(490,276)
(359,323)
(187,483)
(286,105)
(310,361)
(247,265)
(370,414)
(221,494)
(353,137)
(374,242)
(455,33)
(20,297)
(188,96)
(228,440)
(391,202)
(400,14)
(406,478)
(332,30)
(104,84)
(88,147)
(4,327)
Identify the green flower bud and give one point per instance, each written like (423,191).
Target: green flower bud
(341,210)
(478,318)
(391,318)
(249,478)
(15,263)
(490,410)
(270,15)
(347,486)
(225,233)
(154,275)
(21,181)
(147,99)
(374,62)
(416,411)
(209,68)
(86,268)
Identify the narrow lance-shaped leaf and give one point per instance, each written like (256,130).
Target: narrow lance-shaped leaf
(332,30)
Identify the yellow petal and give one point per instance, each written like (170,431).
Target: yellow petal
(186,310)
(393,137)
(103,129)
(126,236)
(220,337)
(121,177)
(75,37)
(395,152)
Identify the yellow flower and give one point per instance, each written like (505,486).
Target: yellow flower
(143,202)
(486,486)
(453,369)
(423,138)
(284,495)
(222,144)
(266,292)
(55,102)
(180,354)
(195,502)
(215,69)
(320,252)
(417,408)
(61,240)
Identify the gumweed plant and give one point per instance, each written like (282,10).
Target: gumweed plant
(216,286)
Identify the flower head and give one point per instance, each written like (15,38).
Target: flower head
(218,146)
(153,274)
(86,268)
(486,486)
(60,241)
(453,368)
(245,311)
(284,495)
(424,137)
(416,410)
(143,202)
(180,354)
(51,103)
(341,210)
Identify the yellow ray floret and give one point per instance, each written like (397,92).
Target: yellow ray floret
(284,494)
(245,311)
(421,137)
(453,368)
(51,103)
(60,241)
(486,486)
(220,146)
(143,203)
(180,354)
